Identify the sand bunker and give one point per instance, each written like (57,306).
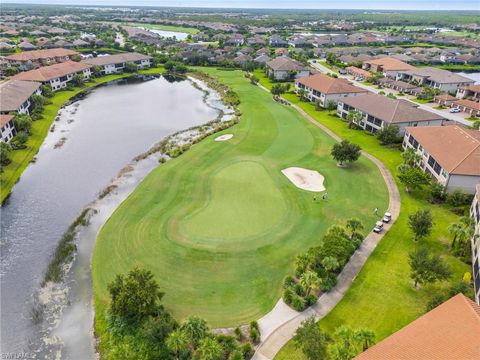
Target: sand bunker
(305,179)
(224,137)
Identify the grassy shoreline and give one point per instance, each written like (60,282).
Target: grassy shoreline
(21,158)
(387,267)
(164,27)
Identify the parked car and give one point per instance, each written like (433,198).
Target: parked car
(342,72)
(387,217)
(378,227)
(454,110)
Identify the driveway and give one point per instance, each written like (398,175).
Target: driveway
(428,107)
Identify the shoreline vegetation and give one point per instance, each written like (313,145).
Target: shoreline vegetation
(21,158)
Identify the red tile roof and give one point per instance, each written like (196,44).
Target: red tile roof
(41,54)
(5,119)
(329,85)
(47,73)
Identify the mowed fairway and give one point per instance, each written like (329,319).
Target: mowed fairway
(220,226)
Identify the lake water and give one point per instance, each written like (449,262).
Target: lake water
(474,76)
(102,133)
(169,34)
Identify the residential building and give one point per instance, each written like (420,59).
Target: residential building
(323,89)
(444,99)
(37,58)
(449,331)
(387,65)
(378,111)
(436,78)
(235,40)
(284,68)
(15,96)
(467,106)
(57,75)
(110,64)
(357,73)
(471,92)
(7,129)
(475,214)
(450,154)
(277,41)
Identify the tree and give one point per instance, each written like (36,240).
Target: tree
(303,94)
(46,91)
(310,281)
(388,134)
(331,105)
(254,80)
(413,178)
(365,337)
(330,263)
(311,340)
(427,268)
(177,342)
(345,152)
(134,296)
(22,122)
(5,150)
(37,101)
(20,140)
(438,192)
(210,349)
(78,80)
(96,71)
(130,67)
(354,225)
(410,157)
(420,223)
(457,230)
(345,347)
(354,118)
(195,329)
(279,89)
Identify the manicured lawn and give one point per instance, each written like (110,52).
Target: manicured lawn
(220,226)
(21,158)
(382,297)
(421,101)
(163,27)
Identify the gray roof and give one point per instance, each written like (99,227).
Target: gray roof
(389,110)
(284,63)
(439,75)
(14,93)
(115,59)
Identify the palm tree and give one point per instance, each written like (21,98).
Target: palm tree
(303,94)
(210,349)
(354,224)
(330,263)
(177,343)
(457,230)
(410,157)
(195,329)
(310,281)
(365,337)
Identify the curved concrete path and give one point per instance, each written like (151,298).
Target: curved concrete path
(279,325)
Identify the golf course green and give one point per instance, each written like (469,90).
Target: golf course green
(220,226)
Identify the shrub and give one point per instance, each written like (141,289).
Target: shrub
(20,140)
(288,282)
(130,67)
(22,122)
(457,198)
(328,282)
(288,295)
(5,154)
(236,355)
(310,300)
(247,350)
(238,333)
(254,325)
(388,135)
(299,290)
(254,335)
(437,193)
(298,303)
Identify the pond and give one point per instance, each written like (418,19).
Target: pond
(168,34)
(472,75)
(92,140)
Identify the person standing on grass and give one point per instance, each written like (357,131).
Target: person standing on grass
(325,196)
(375,211)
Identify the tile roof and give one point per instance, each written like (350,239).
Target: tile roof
(47,73)
(329,85)
(14,93)
(390,110)
(439,75)
(115,59)
(389,63)
(474,88)
(285,64)
(451,331)
(5,119)
(41,54)
(468,104)
(455,148)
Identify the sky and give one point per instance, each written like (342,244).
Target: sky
(281,4)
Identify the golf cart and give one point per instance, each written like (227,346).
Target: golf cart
(378,227)
(387,217)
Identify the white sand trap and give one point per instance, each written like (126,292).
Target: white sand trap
(305,179)
(224,137)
